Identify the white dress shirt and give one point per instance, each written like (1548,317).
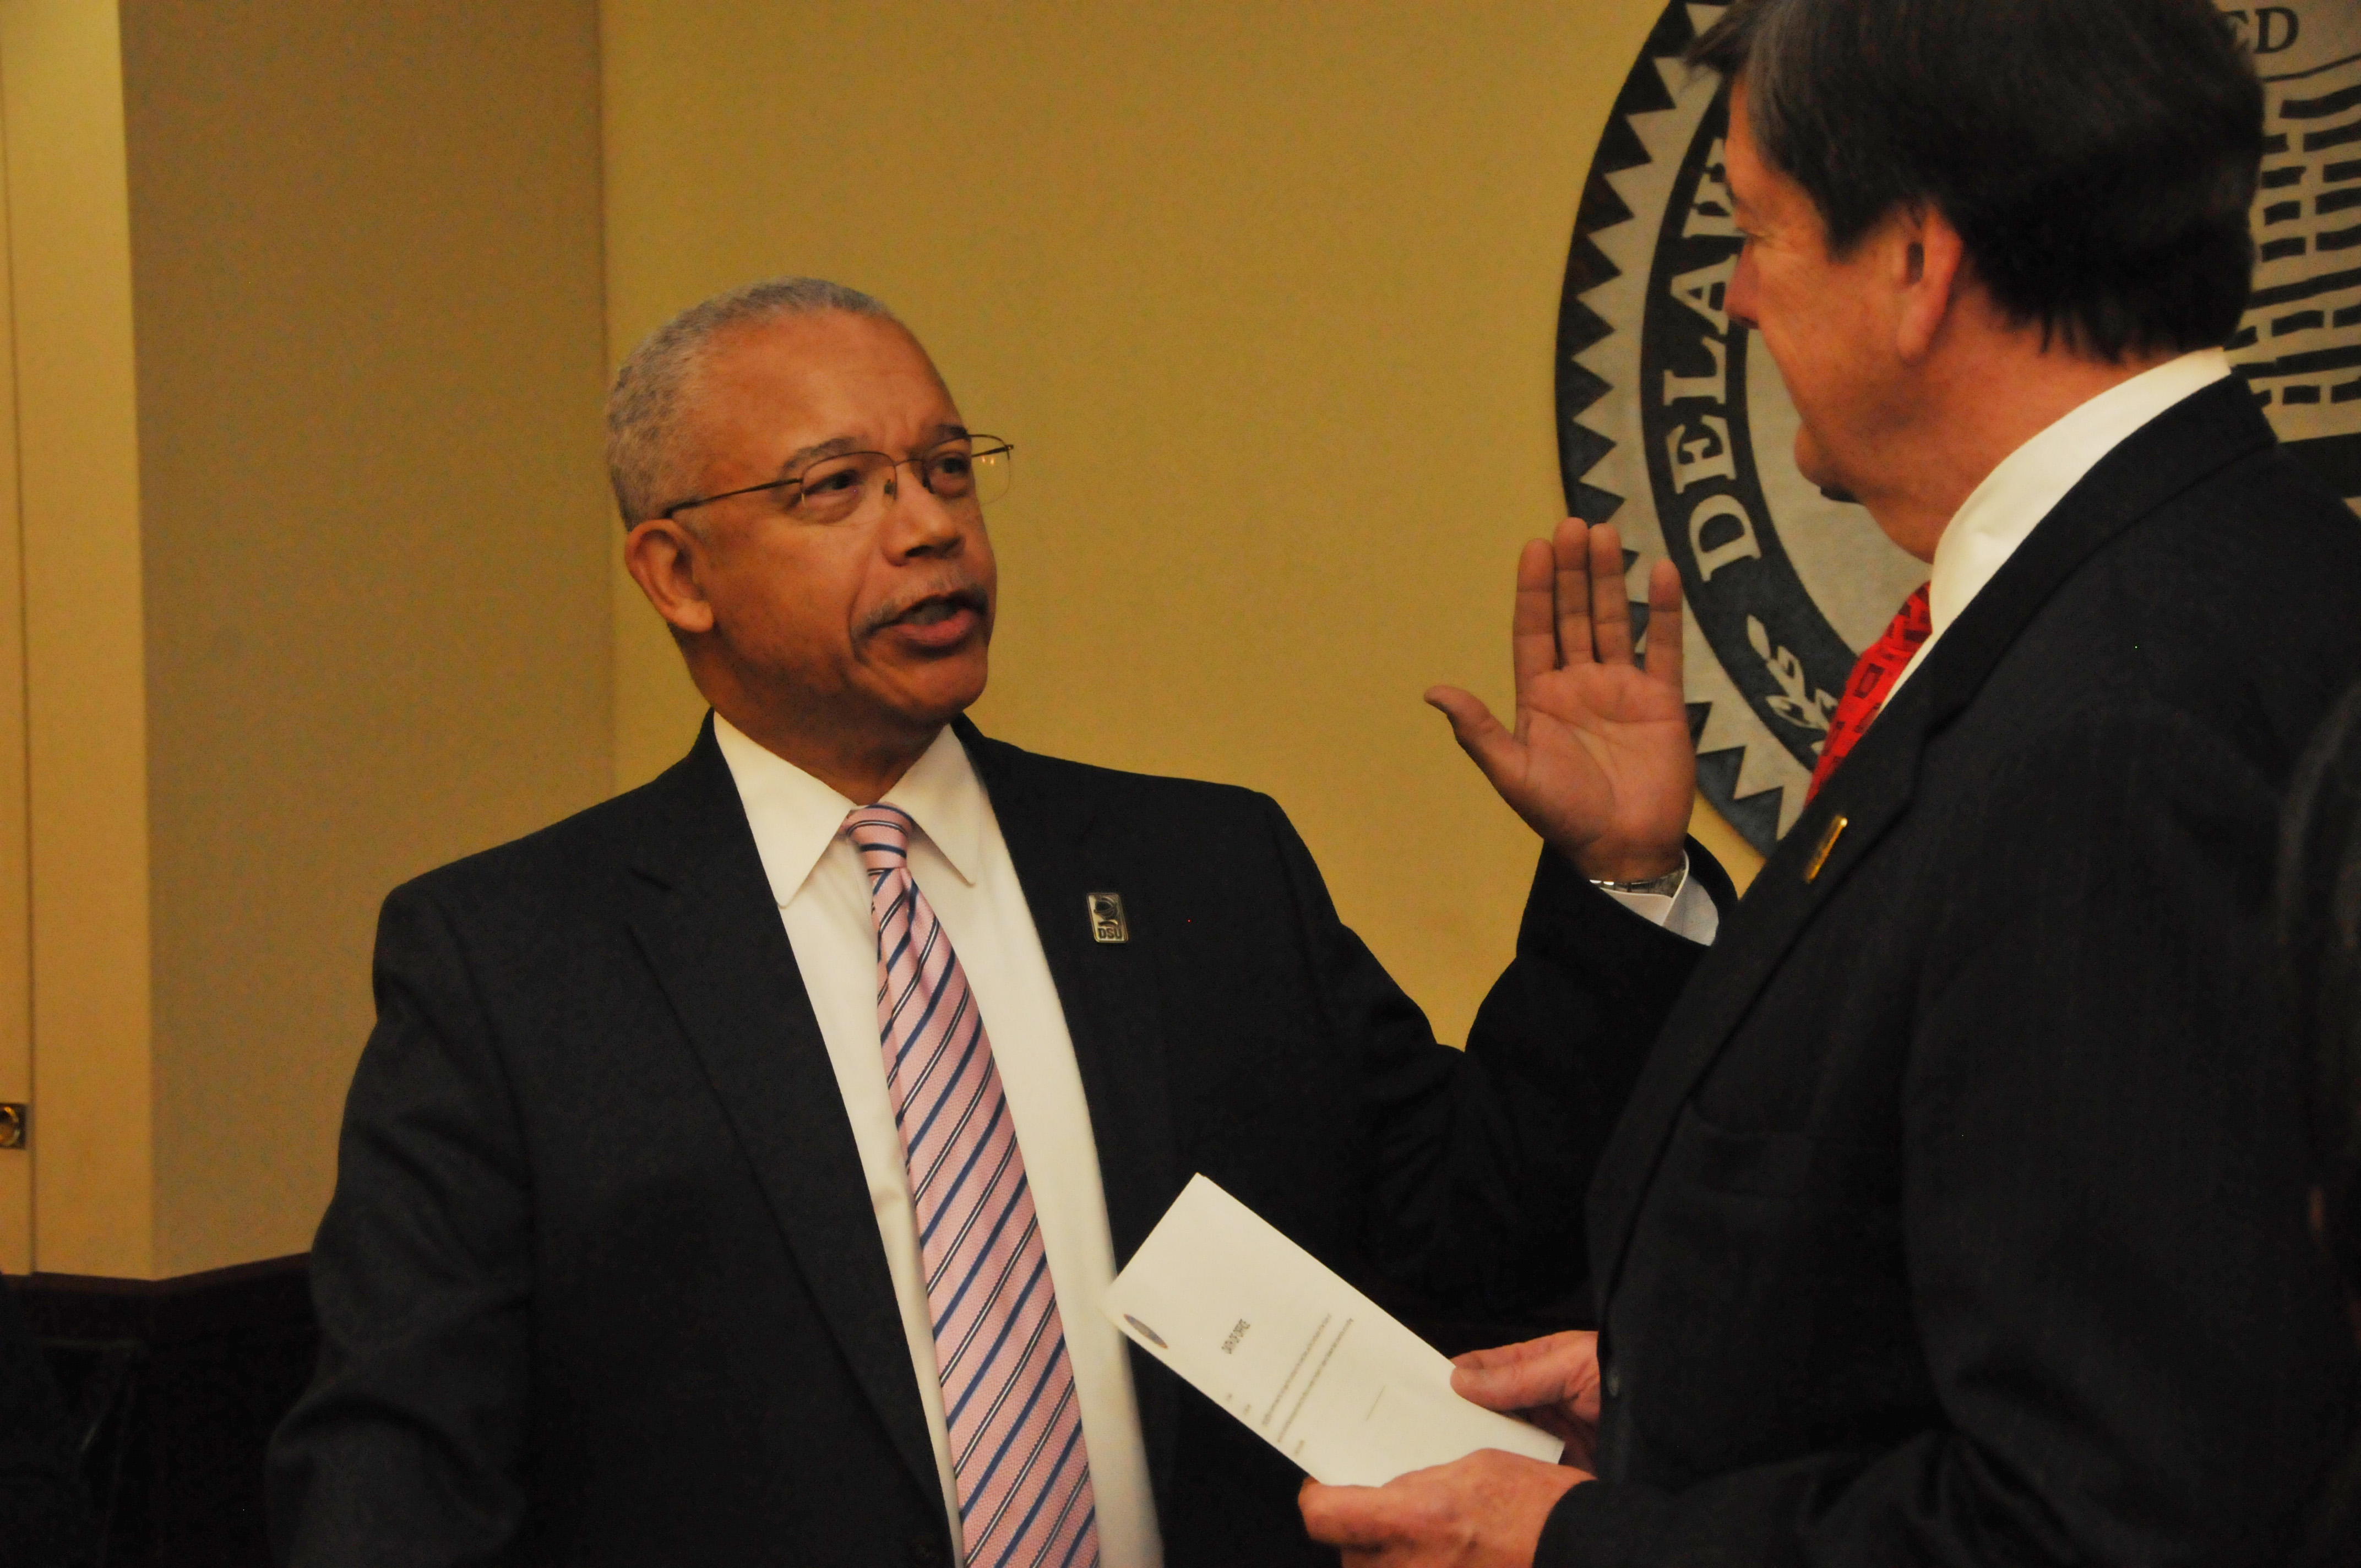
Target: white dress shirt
(960,862)
(1998,515)
(1686,911)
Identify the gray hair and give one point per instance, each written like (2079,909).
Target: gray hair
(648,460)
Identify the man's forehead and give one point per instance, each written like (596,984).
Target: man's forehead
(1742,165)
(832,377)
(1759,192)
(812,353)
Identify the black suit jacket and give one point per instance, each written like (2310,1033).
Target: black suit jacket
(601,1282)
(1958,1215)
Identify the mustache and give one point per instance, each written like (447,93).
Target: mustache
(963,592)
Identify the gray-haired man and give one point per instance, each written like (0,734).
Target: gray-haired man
(734,1169)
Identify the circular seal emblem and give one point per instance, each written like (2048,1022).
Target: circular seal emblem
(1674,425)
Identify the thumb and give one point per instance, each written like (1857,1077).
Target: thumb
(1521,1376)
(1346,1516)
(1485,738)
(1512,1385)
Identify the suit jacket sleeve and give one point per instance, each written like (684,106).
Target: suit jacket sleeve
(1480,1160)
(407,1447)
(2130,1335)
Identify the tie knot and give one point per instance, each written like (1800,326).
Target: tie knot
(882,835)
(1915,622)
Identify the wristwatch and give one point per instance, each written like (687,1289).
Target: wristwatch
(1664,886)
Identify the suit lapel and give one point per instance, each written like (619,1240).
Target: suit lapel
(1063,852)
(710,929)
(1063,848)
(1872,790)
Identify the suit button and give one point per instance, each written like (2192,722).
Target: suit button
(1614,1381)
(926,1552)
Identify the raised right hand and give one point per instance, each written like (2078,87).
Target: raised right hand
(1599,762)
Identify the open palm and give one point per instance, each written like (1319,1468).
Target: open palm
(1600,762)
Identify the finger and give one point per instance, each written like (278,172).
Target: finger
(1573,592)
(1532,633)
(1533,1373)
(1482,737)
(1519,1385)
(1507,1355)
(1510,1389)
(1664,624)
(1611,609)
(1347,1516)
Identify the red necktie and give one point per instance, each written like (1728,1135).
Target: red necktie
(1872,679)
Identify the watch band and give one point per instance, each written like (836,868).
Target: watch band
(1664,886)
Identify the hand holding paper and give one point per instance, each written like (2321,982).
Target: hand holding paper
(1488,1509)
(1318,1369)
(1552,1382)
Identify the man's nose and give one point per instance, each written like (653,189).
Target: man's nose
(1738,299)
(917,521)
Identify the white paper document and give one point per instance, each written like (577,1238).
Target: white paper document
(1266,1330)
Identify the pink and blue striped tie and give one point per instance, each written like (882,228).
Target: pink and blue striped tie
(1008,1392)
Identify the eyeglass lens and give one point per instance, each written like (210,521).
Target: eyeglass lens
(834,488)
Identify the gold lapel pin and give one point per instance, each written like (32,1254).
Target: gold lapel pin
(1828,842)
(1107,924)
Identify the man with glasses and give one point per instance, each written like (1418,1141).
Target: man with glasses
(734,1169)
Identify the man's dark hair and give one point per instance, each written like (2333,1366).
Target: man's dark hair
(2320,941)
(2097,157)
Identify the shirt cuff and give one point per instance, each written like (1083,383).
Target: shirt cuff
(1687,911)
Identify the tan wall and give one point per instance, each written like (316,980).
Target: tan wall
(1265,296)
(92,1155)
(365,276)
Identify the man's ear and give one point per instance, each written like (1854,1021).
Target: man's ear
(663,557)
(1929,264)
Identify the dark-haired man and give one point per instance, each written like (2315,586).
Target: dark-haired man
(735,1167)
(1956,1214)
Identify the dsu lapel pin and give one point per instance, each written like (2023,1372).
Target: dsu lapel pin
(1107,924)
(1828,843)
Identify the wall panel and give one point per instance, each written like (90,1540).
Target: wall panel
(86,737)
(366,248)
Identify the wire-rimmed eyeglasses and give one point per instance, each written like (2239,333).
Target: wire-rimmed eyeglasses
(970,471)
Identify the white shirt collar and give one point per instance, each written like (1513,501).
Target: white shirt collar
(2028,484)
(795,817)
